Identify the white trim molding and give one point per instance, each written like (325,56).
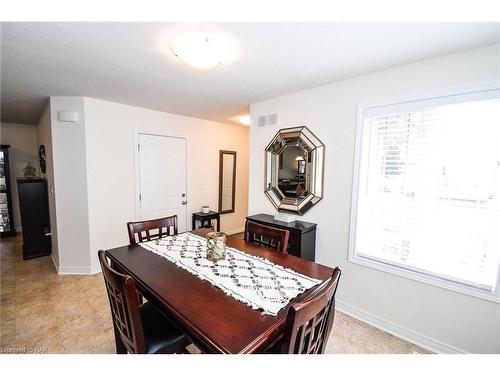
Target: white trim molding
(426,278)
(56,264)
(70,270)
(95,268)
(416,338)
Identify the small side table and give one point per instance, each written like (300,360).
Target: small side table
(205,219)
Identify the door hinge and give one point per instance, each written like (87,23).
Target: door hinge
(138,147)
(140,197)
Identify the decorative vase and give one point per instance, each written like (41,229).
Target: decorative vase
(216,245)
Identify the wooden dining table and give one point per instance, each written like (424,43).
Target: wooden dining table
(213,320)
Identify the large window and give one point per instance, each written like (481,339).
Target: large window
(426,198)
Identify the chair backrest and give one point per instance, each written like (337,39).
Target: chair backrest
(148,230)
(272,238)
(309,323)
(124,307)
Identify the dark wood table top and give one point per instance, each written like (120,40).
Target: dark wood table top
(213,320)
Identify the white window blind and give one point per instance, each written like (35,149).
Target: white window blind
(428,190)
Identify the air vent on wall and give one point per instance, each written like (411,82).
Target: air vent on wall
(272,119)
(267,120)
(261,121)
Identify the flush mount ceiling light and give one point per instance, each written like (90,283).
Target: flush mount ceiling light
(203,49)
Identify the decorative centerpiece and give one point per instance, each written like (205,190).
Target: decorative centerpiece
(29,171)
(205,209)
(216,245)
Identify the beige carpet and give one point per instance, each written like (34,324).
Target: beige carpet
(49,313)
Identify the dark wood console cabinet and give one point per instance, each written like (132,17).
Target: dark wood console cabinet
(302,242)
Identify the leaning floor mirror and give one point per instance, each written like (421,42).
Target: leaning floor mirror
(227,181)
(294,170)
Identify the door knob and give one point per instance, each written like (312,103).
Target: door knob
(184,203)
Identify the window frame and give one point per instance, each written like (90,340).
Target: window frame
(408,272)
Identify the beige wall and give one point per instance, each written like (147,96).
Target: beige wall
(23,141)
(110,131)
(441,319)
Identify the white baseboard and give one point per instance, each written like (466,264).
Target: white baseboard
(54,260)
(95,268)
(423,341)
(71,270)
(234,231)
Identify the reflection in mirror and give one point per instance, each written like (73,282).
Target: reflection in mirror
(291,172)
(294,170)
(227,181)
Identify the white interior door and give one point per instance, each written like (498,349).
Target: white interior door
(162,178)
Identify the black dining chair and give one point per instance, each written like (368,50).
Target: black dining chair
(262,235)
(309,322)
(148,230)
(139,329)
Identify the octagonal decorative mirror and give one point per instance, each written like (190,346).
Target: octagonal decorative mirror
(294,170)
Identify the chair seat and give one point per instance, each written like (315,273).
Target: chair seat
(160,335)
(274,349)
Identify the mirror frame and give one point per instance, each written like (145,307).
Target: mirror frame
(315,149)
(221,172)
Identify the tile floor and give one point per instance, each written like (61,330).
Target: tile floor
(45,312)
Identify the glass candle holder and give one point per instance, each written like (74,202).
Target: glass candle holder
(216,245)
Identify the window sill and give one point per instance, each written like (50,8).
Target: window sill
(426,278)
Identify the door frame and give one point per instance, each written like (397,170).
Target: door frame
(137,172)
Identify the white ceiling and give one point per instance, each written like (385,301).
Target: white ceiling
(122,62)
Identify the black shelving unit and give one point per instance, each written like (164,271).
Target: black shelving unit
(6,218)
(34,205)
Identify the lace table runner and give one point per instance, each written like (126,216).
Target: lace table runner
(254,281)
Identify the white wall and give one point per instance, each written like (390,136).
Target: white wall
(110,129)
(23,141)
(439,318)
(44,137)
(70,186)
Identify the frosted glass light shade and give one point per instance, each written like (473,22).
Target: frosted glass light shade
(204,50)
